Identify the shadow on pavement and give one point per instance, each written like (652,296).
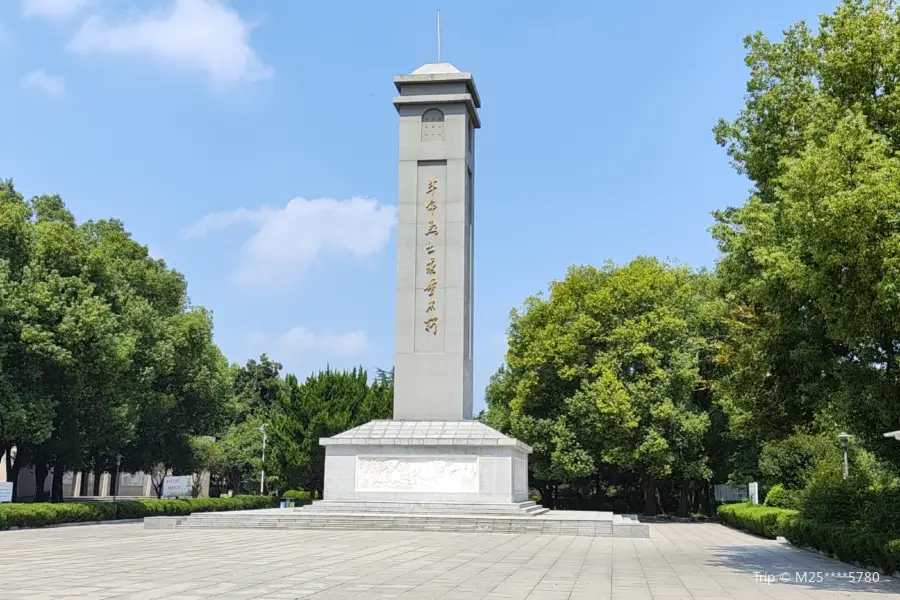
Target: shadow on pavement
(779,563)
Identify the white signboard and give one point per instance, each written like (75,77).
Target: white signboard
(754,492)
(730,493)
(6,490)
(177,486)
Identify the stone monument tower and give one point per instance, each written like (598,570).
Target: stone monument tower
(431,452)
(438,108)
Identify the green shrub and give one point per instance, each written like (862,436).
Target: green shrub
(793,460)
(297,495)
(778,497)
(621,507)
(44,514)
(766,521)
(879,510)
(850,543)
(830,498)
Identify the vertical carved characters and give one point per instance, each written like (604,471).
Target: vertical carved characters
(431,322)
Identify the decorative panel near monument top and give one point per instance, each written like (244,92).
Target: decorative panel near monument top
(417,474)
(431,245)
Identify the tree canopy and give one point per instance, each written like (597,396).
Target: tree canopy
(606,374)
(810,262)
(101,353)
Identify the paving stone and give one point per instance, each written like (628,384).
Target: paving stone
(680,561)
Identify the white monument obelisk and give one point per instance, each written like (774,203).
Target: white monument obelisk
(431,452)
(438,108)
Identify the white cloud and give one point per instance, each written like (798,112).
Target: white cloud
(289,239)
(52,9)
(199,35)
(39,79)
(301,340)
(223,220)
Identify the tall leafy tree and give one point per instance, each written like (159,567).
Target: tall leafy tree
(257,386)
(605,372)
(325,404)
(100,352)
(810,260)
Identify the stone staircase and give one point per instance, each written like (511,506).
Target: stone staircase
(513,509)
(530,518)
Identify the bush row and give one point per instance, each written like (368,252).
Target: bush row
(853,544)
(779,497)
(766,521)
(43,514)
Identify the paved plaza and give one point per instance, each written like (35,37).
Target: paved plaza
(691,560)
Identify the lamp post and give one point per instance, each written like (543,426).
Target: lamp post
(844,439)
(262,470)
(116,479)
(116,486)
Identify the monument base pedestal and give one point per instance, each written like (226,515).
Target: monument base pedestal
(423,476)
(425,462)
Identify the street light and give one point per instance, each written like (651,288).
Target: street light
(262,470)
(116,486)
(844,439)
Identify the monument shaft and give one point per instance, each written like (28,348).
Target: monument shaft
(434,319)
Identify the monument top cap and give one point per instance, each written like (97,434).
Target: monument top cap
(435,68)
(437,73)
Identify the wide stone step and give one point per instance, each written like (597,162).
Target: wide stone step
(331,506)
(593,524)
(373,522)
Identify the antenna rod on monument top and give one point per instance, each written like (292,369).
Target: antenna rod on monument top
(439,34)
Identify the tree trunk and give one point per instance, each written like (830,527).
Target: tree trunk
(649,496)
(82,491)
(14,467)
(684,499)
(40,477)
(659,503)
(546,496)
(13,475)
(96,491)
(56,484)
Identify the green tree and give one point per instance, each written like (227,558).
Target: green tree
(810,260)
(606,372)
(100,352)
(327,403)
(257,386)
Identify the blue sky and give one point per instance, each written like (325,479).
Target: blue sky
(252,144)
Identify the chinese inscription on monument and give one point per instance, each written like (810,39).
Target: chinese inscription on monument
(431,322)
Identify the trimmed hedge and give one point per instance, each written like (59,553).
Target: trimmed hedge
(853,544)
(44,514)
(766,521)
